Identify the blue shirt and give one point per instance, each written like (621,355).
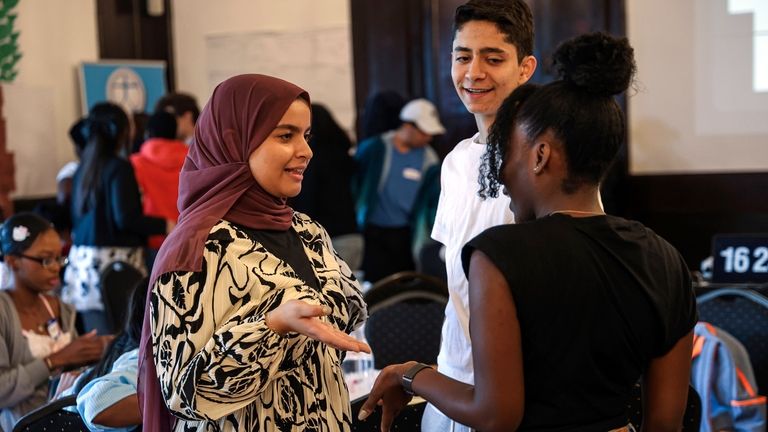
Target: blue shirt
(107,390)
(396,198)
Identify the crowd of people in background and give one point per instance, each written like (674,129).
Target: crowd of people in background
(117,203)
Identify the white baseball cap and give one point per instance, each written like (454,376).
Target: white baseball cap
(424,115)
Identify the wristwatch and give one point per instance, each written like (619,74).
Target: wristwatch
(407,379)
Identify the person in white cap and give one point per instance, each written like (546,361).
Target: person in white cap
(396,169)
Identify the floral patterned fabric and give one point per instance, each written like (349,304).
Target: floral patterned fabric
(82,277)
(221,368)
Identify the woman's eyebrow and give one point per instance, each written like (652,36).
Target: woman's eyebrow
(290,127)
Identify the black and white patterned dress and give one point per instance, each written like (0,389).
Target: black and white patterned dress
(221,368)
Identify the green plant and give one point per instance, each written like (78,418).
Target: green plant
(9,46)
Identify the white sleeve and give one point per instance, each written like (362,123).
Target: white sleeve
(441,229)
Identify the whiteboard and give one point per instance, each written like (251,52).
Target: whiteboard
(319,61)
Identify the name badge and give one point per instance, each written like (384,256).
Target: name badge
(54,330)
(412,174)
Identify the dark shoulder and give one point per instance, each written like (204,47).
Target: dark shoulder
(118,163)
(531,229)
(116,166)
(653,242)
(370,144)
(510,241)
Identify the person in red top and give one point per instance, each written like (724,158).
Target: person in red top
(157,166)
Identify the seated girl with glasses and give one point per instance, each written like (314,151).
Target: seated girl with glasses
(37,333)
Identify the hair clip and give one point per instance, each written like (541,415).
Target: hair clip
(20,233)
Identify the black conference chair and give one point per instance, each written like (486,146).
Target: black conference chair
(405,318)
(117,283)
(691,419)
(744,314)
(52,417)
(409,419)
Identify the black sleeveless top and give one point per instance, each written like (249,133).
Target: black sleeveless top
(597,298)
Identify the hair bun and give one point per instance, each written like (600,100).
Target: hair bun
(596,63)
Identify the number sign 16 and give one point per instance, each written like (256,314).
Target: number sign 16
(742,259)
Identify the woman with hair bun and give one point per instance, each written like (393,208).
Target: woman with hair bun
(570,307)
(107,220)
(37,333)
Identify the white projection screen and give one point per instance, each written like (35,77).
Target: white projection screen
(701,104)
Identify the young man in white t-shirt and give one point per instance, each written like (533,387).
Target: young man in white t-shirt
(491,56)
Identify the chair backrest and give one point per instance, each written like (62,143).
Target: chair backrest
(52,417)
(405,318)
(117,283)
(409,419)
(744,314)
(691,418)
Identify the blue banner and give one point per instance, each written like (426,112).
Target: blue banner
(134,85)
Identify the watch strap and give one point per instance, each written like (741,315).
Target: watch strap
(407,379)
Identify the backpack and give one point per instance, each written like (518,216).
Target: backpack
(722,374)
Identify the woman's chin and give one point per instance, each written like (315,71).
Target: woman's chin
(293,193)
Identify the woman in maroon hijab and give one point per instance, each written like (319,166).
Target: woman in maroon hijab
(250,305)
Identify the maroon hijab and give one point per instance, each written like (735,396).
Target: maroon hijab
(216,183)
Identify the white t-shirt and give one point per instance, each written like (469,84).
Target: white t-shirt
(462,215)
(67,171)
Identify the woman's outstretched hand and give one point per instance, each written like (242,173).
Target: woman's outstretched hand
(301,317)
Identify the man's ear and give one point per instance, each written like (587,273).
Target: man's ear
(527,68)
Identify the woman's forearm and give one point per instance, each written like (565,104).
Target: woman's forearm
(122,413)
(461,402)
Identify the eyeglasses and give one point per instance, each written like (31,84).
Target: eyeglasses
(48,263)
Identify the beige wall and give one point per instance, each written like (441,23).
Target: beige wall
(698,108)
(195,20)
(56,35)
(42,103)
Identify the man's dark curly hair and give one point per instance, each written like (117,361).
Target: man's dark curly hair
(513,18)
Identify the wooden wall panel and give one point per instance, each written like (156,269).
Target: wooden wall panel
(127,31)
(688,210)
